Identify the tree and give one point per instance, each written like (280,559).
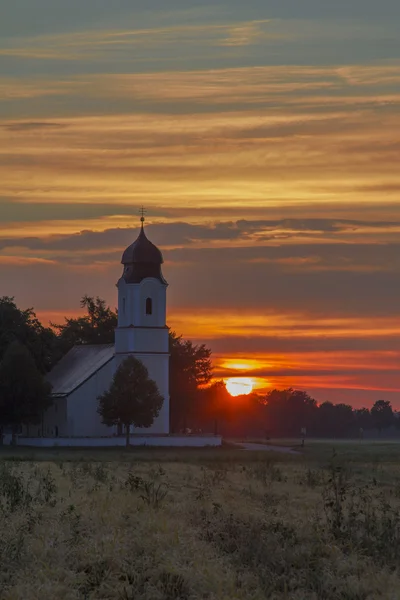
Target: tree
(344,419)
(288,411)
(325,422)
(24,394)
(216,403)
(363,418)
(23,326)
(96,327)
(396,417)
(382,414)
(335,420)
(190,369)
(133,398)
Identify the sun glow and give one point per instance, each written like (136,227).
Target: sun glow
(238,386)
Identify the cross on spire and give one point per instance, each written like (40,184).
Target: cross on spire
(142,212)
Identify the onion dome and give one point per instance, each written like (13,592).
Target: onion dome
(142,259)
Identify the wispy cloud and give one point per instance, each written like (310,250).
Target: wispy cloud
(155,42)
(269,240)
(218,157)
(292,85)
(24,260)
(103,44)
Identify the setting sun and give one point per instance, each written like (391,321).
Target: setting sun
(238,386)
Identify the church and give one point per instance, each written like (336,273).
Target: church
(86,371)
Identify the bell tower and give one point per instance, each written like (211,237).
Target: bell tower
(142,330)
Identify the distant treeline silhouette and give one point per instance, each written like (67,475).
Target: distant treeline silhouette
(286,413)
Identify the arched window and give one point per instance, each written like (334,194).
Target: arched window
(149,306)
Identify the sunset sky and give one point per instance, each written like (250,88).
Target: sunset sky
(263,137)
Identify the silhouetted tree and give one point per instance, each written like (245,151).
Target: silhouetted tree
(24,393)
(324,424)
(190,368)
(345,420)
(24,327)
(339,420)
(96,327)
(216,404)
(396,419)
(382,414)
(288,411)
(363,418)
(132,399)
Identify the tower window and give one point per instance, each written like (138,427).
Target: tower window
(149,306)
(123,305)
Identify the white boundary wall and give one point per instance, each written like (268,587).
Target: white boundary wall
(188,441)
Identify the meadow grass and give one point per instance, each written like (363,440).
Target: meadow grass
(165,524)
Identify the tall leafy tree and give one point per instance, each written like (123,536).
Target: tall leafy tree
(382,414)
(363,418)
(288,411)
(132,399)
(216,403)
(325,421)
(95,327)
(24,393)
(24,326)
(190,369)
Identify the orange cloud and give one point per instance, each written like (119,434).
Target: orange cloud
(96,45)
(208,160)
(328,133)
(210,324)
(351,370)
(24,260)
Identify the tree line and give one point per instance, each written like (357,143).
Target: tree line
(28,351)
(286,413)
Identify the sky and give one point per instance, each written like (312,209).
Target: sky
(263,139)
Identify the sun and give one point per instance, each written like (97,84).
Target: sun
(238,386)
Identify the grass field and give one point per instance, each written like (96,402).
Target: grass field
(321,449)
(196,524)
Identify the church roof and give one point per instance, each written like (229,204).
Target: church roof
(77,366)
(142,251)
(142,259)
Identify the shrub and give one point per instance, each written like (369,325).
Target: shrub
(14,491)
(153,494)
(133,482)
(362,517)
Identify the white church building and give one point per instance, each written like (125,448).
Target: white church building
(86,371)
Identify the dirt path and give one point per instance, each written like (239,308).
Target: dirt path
(268,448)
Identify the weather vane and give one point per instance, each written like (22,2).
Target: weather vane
(142,212)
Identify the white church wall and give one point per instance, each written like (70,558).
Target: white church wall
(83,419)
(137,339)
(122,312)
(153,289)
(132,303)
